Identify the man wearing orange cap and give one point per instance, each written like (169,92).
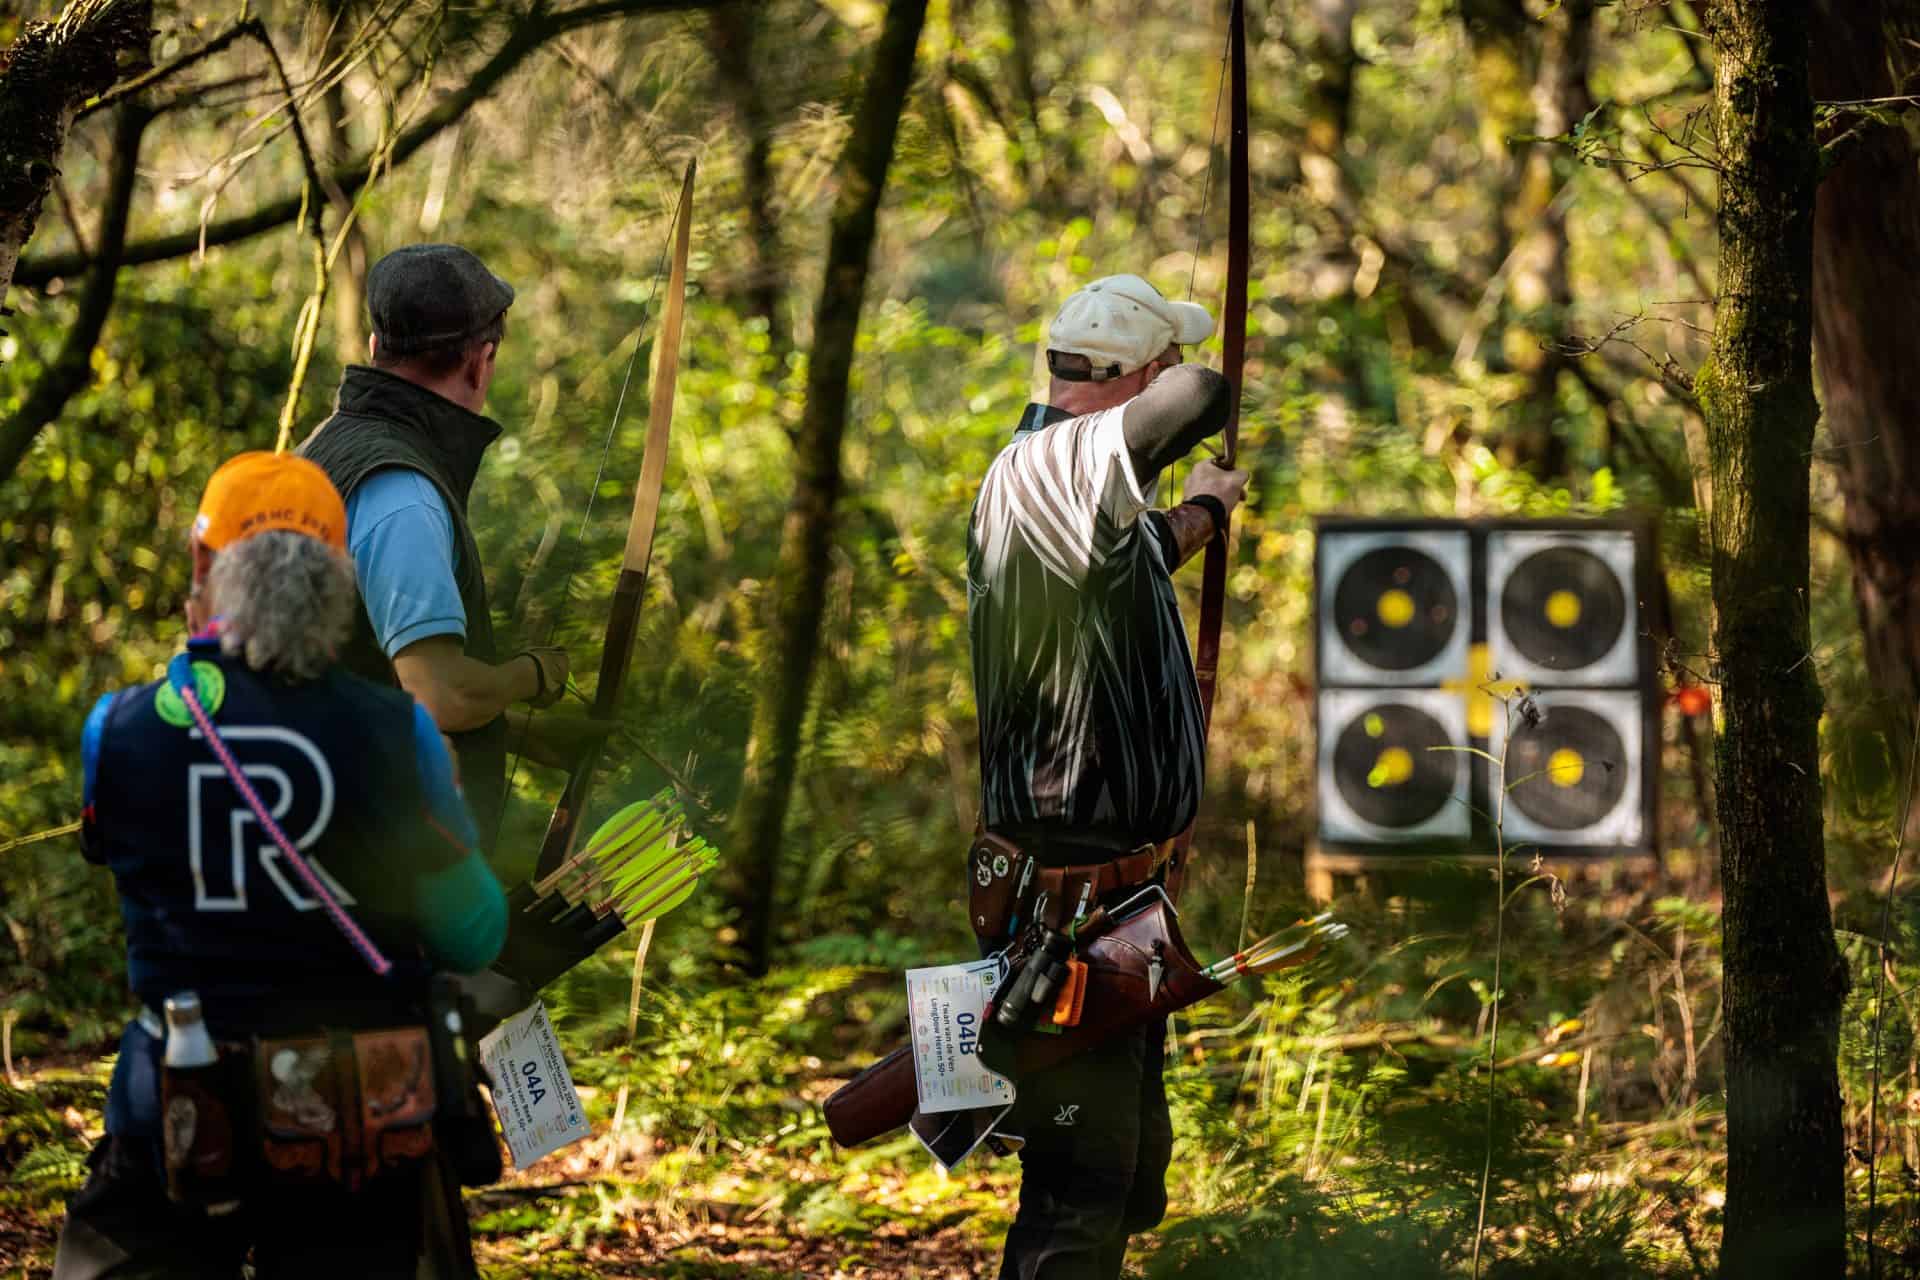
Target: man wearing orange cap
(294,864)
(1092,746)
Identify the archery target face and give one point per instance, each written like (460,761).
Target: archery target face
(1388,767)
(1395,607)
(1575,778)
(1561,608)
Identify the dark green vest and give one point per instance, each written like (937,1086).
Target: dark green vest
(383,421)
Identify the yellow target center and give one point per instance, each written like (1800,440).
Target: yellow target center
(1566,767)
(1563,609)
(1396,608)
(1394,767)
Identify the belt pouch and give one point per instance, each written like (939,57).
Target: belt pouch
(345,1107)
(397,1096)
(302,1125)
(995,867)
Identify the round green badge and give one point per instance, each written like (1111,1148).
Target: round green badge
(209,685)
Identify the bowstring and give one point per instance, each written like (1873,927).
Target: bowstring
(1213,147)
(586,517)
(1206,202)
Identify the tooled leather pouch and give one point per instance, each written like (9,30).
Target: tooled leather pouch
(344,1107)
(994,867)
(302,1130)
(397,1097)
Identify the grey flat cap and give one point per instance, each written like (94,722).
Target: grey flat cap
(424,296)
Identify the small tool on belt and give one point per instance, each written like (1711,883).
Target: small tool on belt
(1039,978)
(1073,994)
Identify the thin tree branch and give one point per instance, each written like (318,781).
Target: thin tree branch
(68,216)
(127,89)
(36,272)
(1687,261)
(1676,488)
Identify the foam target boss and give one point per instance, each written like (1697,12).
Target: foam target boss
(1425,629)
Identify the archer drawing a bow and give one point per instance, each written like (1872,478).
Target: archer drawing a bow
(1070,987)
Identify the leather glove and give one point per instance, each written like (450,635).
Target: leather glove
(551,663)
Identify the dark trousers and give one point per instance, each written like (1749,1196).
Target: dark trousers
(1094,1167)
(122,1225)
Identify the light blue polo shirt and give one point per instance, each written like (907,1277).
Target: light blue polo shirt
(401,538)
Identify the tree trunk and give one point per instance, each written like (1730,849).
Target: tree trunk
(1026,80)
(1029,147)
(1784,983)
(1327,44)
(792,641)
(1866,308)
(44,77)
(1503,44)
(730,38)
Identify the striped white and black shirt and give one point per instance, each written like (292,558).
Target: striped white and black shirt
(1090,723)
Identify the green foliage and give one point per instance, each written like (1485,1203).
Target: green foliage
(54,1167)
(1329,1125)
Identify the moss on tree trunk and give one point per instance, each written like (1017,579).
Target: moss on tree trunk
(44,77)
(1785,1212)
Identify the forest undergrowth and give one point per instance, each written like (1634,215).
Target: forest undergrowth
(1331,1122)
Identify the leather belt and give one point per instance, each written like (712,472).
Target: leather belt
(1067,887)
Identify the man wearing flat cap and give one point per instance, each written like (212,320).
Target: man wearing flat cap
(403,447)
(1092,747)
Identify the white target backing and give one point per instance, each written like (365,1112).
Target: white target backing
(1395,606)
(1393,766)
(1576,779)
(1562,608)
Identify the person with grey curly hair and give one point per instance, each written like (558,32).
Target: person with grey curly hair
(296,866)
(285,603)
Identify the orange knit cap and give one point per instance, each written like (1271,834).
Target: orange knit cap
(255,492)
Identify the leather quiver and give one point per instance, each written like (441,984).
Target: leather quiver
(878,1100)
(538,950)
(1119,997)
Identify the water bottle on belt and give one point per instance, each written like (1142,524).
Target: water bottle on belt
(197,1123)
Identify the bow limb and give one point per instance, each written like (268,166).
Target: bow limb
(1213,581)
(623,619)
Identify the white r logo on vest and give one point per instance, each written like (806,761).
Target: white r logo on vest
(227,825)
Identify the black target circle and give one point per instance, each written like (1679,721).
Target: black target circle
(1390,766)
(1569,771)
(1396,608)
(1563,608)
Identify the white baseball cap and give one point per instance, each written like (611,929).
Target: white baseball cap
(1121,323)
